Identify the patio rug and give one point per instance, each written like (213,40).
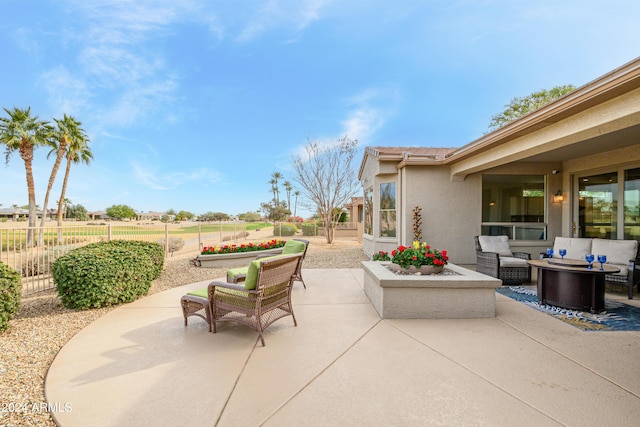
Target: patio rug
(617,316)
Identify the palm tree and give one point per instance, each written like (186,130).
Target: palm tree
(24,133)
(274,188)
(68,129)
(67,204)
(77,151)
(295,209)
(288,187)
(276,191)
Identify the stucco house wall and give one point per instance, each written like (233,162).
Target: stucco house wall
(450,210)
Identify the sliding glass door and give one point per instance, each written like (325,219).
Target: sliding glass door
(597,206)
(632,204)
(599,197)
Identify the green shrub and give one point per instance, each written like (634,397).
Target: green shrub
(144,249)
(10,294)
(285,229)
(309,229)
(107,273)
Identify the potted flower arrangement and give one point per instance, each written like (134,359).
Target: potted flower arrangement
(419,257)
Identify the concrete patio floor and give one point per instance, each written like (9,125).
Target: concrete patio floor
(343,365)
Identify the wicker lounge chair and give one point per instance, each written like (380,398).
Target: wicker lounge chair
(238,275)
(495,258)
(264,297)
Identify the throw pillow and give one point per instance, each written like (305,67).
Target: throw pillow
(293,247)
(251,281)
(498,244)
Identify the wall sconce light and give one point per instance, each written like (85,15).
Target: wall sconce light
(558,197)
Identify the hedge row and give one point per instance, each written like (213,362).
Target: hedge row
(10,294)
(107,273)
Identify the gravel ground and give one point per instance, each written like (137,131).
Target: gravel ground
(43,326)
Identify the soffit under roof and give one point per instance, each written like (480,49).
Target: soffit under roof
(623,138)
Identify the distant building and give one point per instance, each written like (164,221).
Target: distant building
(149,216)
(98,215)
(13,214)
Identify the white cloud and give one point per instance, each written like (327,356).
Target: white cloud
(67,92)
(110,37)
(370,110)
(140,83)
(367,112)
(27,40)
(278,13)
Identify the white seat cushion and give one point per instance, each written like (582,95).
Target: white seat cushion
(576,248)
(618,252)
(509,261)
(498,244)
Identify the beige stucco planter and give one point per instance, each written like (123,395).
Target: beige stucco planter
(464,295)
(238,259)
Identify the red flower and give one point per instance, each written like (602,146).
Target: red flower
(418,254)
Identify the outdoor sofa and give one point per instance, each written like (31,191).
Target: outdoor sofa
(622,254)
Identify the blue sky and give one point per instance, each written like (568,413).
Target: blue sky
(192,105)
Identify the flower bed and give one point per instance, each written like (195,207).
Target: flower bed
(243,247)
(234,255)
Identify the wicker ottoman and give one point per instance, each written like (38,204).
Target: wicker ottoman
(193,305)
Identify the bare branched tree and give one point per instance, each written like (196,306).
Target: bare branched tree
(327,179)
